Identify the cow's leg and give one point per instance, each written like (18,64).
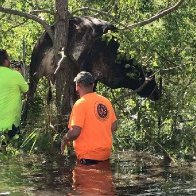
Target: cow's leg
(30,95)
(42,63)
(49,93)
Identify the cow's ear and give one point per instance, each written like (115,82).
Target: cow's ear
(97,75)
(104,28)
(73,25)
(107,27)
(113,44)
(76,27)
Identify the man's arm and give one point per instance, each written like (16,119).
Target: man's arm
(76,123)
(71,135)
(114,126)
(24,87)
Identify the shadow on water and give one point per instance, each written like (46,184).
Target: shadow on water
(128,173)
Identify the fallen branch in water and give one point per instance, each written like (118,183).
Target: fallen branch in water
(162,148)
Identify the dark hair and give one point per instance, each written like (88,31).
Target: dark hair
(3,56)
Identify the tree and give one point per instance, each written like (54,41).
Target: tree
(160,34)
(59,37)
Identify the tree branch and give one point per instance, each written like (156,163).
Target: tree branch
(156,16)
(46,26)
(29,2)
(162,148)
(91,9)
(174,65)
(118,104)
(100,12)
(139,24)
(15,26)
(42,11)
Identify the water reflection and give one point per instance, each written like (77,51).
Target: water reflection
(93,179)
(53,175)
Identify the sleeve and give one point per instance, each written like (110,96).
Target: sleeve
(24,87)
(77,115)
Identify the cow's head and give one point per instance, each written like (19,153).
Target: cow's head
(100,58)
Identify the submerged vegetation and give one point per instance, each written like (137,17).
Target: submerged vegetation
(167,47)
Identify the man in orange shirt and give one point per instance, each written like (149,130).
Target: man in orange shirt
(91,123)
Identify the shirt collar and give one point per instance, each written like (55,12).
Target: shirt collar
(88,94)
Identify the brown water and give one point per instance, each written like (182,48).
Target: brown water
(128,173)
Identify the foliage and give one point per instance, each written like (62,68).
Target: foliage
(166,46)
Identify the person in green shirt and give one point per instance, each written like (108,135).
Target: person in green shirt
(12,85)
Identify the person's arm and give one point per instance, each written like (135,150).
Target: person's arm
(113,119)
(114,126)
(75,125)
(24,87)
(71,135)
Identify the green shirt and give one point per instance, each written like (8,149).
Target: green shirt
(12,84)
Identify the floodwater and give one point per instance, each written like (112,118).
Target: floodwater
(127,173)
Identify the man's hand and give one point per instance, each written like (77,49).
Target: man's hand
(21,70)
(71,135)
(63,146)
(64,143)
(18,69)
(114,126)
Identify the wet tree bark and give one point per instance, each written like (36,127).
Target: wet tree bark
(61,26)
(63,74)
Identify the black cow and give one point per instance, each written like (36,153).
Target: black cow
(87,51)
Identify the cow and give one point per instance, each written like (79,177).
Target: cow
(87,51)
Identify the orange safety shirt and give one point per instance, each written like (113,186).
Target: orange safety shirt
(95,115)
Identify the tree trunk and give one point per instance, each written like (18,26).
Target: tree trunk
(63,75)
(65,93)
(61,27)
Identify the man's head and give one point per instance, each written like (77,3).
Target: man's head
(4,58)
(84,83)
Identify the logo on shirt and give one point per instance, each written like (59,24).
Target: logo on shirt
(101,111)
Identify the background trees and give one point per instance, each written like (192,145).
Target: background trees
(167,45)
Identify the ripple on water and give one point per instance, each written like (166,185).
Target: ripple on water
(134,175)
